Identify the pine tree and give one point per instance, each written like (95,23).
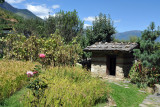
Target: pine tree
(148,55)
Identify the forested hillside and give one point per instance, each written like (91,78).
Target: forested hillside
(8,19)
(21,12)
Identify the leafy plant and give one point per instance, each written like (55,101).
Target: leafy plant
(56,51)
(66,86)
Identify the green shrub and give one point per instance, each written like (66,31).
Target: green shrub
(56,50)
(142,76)
(68,86)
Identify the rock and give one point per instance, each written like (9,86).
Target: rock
(125,85)
(142,105)
(126,81)
(141,91)
(157,89)
(150,90)
(111,102)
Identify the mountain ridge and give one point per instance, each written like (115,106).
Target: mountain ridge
(25,13)
(127,34)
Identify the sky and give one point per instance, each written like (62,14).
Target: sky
(126,14)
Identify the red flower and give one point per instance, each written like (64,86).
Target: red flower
(35,72)
(42,55)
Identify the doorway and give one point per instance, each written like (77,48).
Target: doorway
(111,65)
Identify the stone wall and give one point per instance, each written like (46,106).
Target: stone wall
(119,67)
(123,64)
(98,64)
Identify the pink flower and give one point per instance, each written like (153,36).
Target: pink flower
(35,72)
(30,74)
(42,55)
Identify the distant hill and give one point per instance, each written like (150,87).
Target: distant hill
(126,35)
(21,12)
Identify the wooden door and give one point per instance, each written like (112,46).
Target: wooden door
(111,65)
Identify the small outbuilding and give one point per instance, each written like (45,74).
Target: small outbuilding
(114,59)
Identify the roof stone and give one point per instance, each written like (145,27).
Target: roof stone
(99,46)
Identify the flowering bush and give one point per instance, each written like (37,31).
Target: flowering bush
(144,77)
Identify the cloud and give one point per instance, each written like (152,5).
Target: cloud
(85,25)
(89,19)
(117,21)
(14,1)
(56,6)
(40,10)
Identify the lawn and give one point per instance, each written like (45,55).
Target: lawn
(15,99)
(127,97)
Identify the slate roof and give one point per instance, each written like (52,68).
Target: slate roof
(99,46)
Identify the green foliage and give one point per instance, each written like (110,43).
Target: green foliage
(103,28)
(148,55)
(138,75)
(133,39)
(56,51)
(68,86)
(30,27)
(69,24)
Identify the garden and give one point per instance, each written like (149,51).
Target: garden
(39,68)
(28,84)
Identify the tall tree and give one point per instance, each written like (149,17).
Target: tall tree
(89,35)
(50,25)
(103,28)
(69,24)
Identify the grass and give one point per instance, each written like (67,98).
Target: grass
(127,97)
(15,99)
(13,76)
(124,97)
(67,86)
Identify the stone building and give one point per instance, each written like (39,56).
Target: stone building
(113,59)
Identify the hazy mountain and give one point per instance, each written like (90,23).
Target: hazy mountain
(21,12)
(126,35)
